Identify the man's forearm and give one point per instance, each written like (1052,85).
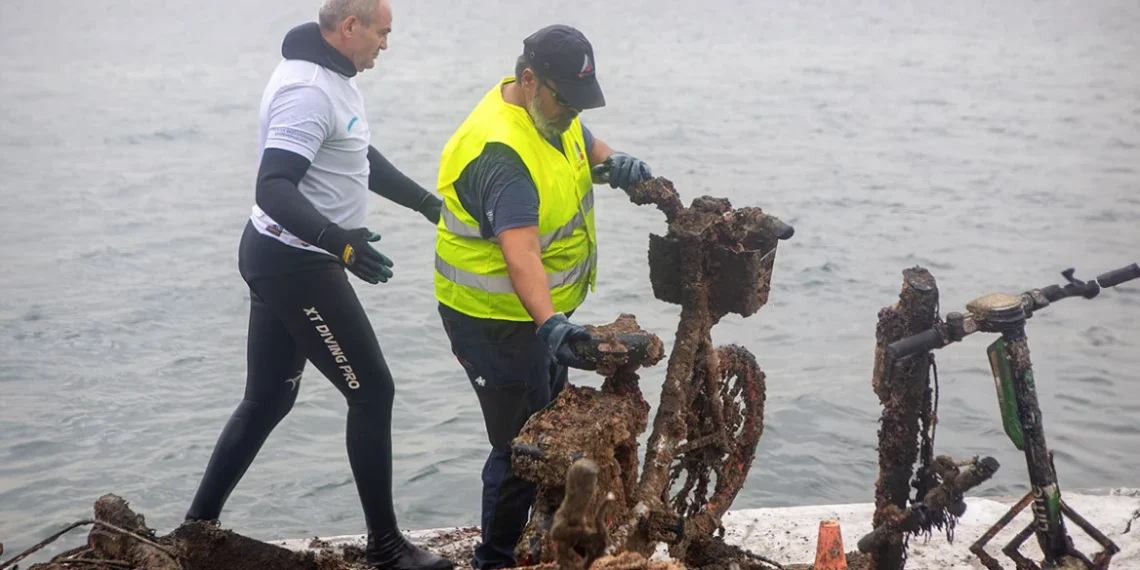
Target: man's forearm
(277,194)
(528,276)
(387,181)
(599,152)
(625,171)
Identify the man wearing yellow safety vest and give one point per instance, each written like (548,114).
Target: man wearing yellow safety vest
(516,252)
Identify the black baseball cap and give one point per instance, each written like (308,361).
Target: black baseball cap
(562,54)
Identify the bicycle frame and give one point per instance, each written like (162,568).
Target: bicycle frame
(713,260)
(1012,369)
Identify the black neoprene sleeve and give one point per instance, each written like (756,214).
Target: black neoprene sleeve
(277,193)
(387,181)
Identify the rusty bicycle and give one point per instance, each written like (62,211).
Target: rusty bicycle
(581,452)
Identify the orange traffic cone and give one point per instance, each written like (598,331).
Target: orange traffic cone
(829,553)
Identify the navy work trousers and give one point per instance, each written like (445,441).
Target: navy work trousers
(514,376)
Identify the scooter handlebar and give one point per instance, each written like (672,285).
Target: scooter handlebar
(1118,276)
(933,338)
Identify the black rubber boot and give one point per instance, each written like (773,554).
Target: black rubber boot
(394,552)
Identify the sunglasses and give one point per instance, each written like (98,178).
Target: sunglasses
(557,97)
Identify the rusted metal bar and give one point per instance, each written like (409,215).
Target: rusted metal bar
(669,427)
(1012,549)
(1101,559)
(947,496)
(978,547)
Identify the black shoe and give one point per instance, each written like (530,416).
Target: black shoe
(394,552)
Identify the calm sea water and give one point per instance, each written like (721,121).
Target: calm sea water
(993,143)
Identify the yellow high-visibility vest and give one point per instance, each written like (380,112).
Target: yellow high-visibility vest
(470,271)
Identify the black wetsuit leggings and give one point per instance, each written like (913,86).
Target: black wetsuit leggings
(303,308)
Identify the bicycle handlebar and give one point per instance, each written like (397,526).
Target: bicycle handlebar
(1032,300)
(780,229)
(631,349)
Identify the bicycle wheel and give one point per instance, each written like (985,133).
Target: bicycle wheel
(725,421)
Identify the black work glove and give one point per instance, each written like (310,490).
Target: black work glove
(430,208)
(352,249)
(557,332)
(626,171)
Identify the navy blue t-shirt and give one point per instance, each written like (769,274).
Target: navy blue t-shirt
(496,188)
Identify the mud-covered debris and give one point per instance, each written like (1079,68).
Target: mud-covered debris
(712,553)
(855,561)
(579,531)
(583,422)
(456,544)
(633,561)
(623,561)
(120,545)
(194,545)
(903,388)
(202,546)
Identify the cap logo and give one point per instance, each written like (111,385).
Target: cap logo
(586,67)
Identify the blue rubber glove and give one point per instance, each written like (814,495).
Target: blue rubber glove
(626,171)
(557,332)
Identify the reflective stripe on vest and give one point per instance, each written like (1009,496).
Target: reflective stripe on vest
(457,227)
(490,284)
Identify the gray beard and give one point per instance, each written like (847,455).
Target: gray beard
(546,127)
